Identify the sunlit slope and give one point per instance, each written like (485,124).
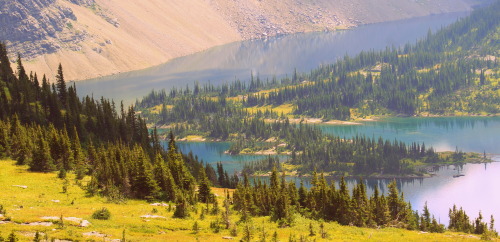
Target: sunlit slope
(44,197)
(118,36)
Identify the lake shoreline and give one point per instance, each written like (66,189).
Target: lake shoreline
(427,174)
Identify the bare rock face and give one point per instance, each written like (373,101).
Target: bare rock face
(28,20)
(86,3)
(34,27)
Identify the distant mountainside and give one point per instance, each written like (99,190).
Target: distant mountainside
(102,37)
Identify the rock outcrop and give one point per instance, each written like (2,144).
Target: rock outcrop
(35,27)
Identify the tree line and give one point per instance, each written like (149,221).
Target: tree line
(49,128)
(281,201)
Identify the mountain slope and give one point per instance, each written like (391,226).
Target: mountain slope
(102,37)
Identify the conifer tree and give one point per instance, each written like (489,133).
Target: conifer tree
(42,159)
(143,183)
(344,202)
(396,207)
(79,157)
(6,72)
(61,86)
(181,208)
(12,237)
(204,192)
(380,209)
(164,179)
(38,237)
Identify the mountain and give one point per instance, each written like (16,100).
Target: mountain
(102,37)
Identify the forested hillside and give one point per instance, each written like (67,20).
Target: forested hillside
(100,150)
(49,128)
(451,72)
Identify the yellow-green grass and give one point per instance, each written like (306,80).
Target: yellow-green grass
(157,109)
(286,109)
(28,205)
(194,138)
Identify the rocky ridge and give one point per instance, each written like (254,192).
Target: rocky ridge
(102,37)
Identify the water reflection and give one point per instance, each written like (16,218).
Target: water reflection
(474,192)
(213,152)
(475,134)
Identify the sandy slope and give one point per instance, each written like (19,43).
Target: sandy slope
(151,32)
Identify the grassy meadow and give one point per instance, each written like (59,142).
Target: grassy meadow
(43,196)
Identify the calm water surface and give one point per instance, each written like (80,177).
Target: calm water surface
(476,191)
(469,134)
(213,152)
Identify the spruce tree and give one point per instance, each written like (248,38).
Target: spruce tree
(38,237)
(164,178)
(61,86)
(143,183)
(181,208)
(79,157)
(204,192)
(42,159)
(12,237)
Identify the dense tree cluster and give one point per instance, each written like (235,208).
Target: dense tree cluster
(48,128)
(280,200)
(460,222)
(417,78)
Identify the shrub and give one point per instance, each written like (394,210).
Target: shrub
(2,210)
(62,173)
(102,214)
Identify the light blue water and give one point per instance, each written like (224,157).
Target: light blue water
(213,152)
(469,134)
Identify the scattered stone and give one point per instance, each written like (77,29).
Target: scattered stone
(159,204)
(95,233)
(47,224)
(50,218)
(152,216)
(227,237)
(85,223)
(79,221)
(73,219)
(56,201)
(21,186)
(4,222)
